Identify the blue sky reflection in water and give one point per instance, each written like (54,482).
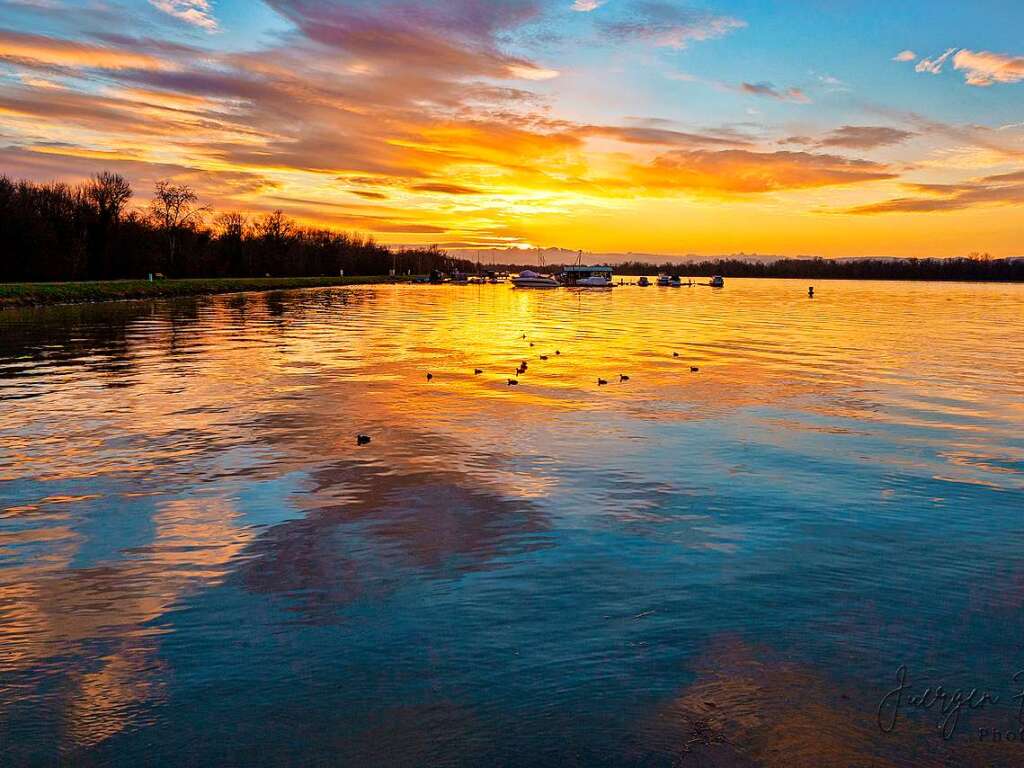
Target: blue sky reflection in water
(198,565)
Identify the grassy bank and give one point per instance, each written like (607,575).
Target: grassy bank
(36,294)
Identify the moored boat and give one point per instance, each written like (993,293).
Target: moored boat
(580,276)
(530,279)
(643,282)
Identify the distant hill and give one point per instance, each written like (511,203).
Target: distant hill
(565,256)
(555,256)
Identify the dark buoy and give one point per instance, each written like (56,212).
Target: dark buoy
(675,354)
(810,291)
(512,382)
(362,439)
(601,382)
(557,352)
(531,343)
(694,369)
(543,357)
(623,377)
(430,376)
(477,371)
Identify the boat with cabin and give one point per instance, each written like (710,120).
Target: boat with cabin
(643,282)
(530,279)
(581,276)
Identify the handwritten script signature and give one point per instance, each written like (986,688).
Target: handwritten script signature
(948,703)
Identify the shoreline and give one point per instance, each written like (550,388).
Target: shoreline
(16,295)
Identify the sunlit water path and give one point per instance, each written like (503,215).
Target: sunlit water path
(199,566)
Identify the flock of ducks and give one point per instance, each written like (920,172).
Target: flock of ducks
(524,366)
(520,371)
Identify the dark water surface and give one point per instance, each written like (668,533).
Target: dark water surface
(198,566)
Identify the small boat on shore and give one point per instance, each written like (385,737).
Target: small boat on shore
(664,281)
(530,279)
(643,282)
(717,282)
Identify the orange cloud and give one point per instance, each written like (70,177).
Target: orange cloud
(983,68)
(411,118)
(1001,189)
(39,49)
(743,172)
(445,189)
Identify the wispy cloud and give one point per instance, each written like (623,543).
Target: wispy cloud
(198,13)
(768,90)
(983,68)
(585,6)
(905,56)
(528,71)
(934,66)
(42,51)
(445,189)
(832,84)
(1001,189)
(668,25)
(865,137)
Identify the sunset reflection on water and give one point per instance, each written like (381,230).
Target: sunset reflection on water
(197,562)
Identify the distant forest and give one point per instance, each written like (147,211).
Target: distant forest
(976,267)
(58,232)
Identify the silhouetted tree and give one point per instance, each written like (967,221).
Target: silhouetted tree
(108,193)
(175,208)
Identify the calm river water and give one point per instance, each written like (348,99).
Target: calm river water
(727,567)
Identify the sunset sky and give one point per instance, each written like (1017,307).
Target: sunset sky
(831,127)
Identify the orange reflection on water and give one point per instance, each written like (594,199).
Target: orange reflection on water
(168,414)
(54,609)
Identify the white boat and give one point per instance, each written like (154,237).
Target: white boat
(664,280)
(594,282)
(580,276)
(530,279)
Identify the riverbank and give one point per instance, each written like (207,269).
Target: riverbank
(40,294)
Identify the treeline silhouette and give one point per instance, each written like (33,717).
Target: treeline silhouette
(976,267)
(58,231)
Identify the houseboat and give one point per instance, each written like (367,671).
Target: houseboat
(579,276)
